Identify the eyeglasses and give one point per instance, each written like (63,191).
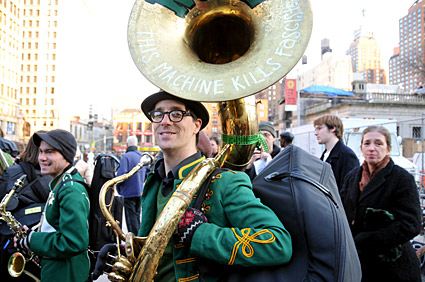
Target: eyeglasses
(174,116)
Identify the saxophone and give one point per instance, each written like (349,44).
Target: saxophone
(17,261)
(122,267)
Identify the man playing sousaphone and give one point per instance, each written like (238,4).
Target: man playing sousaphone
(233,228)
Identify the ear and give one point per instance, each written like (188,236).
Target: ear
(198,124)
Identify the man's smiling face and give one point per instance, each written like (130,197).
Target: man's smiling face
(175,135)
(51,160)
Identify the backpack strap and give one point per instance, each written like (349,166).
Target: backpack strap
(69,180)
(18,193)
(204,187)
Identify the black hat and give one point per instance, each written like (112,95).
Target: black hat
(288,136)
(61,140)
(267,126)
(196,107)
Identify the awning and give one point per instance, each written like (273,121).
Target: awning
(330,91)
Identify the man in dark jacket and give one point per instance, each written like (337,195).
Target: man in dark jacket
(328,130)
(131,189)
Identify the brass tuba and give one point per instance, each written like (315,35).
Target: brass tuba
(213,51)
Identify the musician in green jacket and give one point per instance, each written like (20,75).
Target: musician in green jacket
(63,239)
(233,228)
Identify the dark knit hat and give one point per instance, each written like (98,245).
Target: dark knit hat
(194,106)
(267,126)
(61,140)
(288,136)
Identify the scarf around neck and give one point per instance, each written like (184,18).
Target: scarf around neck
(367,175)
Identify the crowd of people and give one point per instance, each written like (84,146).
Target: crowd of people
(233,227)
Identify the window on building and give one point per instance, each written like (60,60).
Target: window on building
(416,131)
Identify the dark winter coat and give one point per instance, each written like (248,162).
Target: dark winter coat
(36,193)
(382,242)
(342,160)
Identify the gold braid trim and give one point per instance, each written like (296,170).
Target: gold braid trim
(191,278)
(245,240)
(181,261)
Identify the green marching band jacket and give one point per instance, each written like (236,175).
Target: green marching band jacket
(240,229)
(63,241)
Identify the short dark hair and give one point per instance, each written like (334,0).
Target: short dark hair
(216,140)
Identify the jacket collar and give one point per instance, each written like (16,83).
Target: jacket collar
(336,149)
(377,180)
(182,169)
(131,148)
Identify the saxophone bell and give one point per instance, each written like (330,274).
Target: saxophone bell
(16,264)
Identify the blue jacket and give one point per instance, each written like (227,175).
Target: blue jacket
(133,186)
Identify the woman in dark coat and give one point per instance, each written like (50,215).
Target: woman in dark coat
(382,206)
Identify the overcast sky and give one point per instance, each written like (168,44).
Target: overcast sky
(97,68)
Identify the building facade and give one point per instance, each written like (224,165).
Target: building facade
(28,54)
(268,100)
(10,58)
(214,126)
(132,122)
(366,55)
(38,65)
(408,62)
(335,71)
